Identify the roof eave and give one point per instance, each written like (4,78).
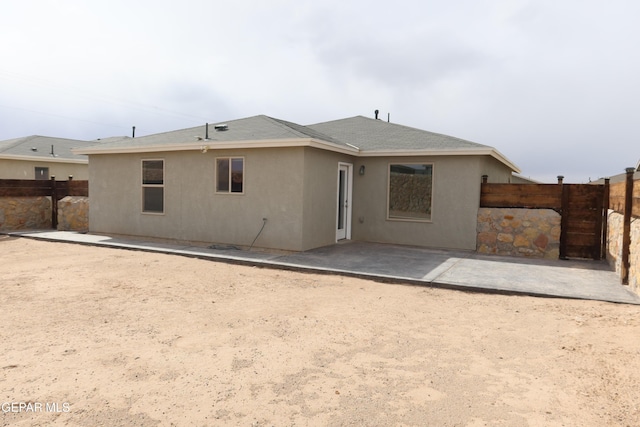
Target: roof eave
(444,152)
(43,159)
(220,145)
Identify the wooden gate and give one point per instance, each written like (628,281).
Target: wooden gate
(582,221)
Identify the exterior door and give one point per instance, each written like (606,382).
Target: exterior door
(345,176)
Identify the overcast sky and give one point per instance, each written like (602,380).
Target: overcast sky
(552,84)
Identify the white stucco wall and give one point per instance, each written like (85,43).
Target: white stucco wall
(193,211)
(25,169)
(295,189)
(455,201)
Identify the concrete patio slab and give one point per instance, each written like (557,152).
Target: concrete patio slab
(463,270)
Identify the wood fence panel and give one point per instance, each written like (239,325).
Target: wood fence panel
(521,196)
(616,196)
(25,191)
(79,188)
(582,215)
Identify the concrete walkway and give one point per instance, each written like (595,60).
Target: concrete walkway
(469,271)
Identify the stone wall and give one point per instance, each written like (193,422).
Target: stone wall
(73,213)
(519,232)
(614,247)
(22,213)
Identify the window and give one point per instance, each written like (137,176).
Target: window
(153,186)
(42,173)
(230,175)
(410,190)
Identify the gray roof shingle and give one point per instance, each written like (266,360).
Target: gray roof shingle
(254,128)
(365,133)
(37,146)
(377,135)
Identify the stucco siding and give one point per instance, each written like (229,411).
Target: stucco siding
(455,201)
(321,196)
(193,211)
(25,169)
(496,171)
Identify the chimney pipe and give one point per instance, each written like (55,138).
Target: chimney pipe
(134,132)
(206,131)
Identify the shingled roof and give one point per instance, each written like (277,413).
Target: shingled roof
(42,148)
(357,136)
(377,135)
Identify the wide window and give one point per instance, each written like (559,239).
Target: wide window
(153,186)
(230,175)
(410,191)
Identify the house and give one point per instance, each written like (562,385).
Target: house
(620,177)
(41,157)
(274,184)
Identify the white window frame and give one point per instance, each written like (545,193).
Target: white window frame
(152,186)
(409,219)
(244,175)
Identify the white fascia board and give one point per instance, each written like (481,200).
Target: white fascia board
(43,159)
(220,145)
(464,152)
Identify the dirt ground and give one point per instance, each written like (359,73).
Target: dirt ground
(108,337)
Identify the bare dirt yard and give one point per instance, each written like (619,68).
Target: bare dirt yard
(107,337)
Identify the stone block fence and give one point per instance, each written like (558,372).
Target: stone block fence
(34,204)
(73,213)
(531,233)
(23,213)
(532,223)
(34,213)
(614,247)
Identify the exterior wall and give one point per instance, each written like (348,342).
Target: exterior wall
(614,248)
(73,213)
(193,211)
(23,169)
(23,213)
(519,232)
(497,172)
(456,197)
(295,189)
(321,196)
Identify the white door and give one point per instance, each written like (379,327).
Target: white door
(345,176)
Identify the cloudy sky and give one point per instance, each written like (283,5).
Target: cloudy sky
(552,84)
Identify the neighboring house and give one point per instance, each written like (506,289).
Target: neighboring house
(519,179)
(293,187)
(620,177)
(41,157)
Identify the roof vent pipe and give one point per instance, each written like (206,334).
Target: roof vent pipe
(206,131)
(376,113)
(133,135)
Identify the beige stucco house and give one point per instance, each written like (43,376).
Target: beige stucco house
(274,184)
(41,157)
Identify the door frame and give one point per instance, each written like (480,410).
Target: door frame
(347,188)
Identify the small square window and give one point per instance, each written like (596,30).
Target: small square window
(230,175)
(42,173)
